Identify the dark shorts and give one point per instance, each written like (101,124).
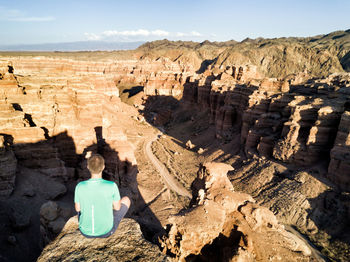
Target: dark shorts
(117,217)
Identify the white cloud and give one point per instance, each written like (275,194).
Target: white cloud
(140,34)
(16,15)
(195,33)
(92,36)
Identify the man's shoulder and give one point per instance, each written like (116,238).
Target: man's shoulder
(108,182)
(81,183)
(110,185)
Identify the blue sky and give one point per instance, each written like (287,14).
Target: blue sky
(50,21)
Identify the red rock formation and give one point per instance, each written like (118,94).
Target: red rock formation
(54,102)
(291,120)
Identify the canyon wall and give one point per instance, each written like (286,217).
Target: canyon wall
(53,111)
(296,119)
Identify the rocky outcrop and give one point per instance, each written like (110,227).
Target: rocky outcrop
(225,225)
(299,198)
(126,244)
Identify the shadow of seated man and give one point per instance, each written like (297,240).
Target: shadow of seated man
(98,203)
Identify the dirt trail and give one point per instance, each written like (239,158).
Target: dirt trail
(169,180)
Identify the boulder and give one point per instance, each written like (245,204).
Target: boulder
(56,225)
(189,144)
(126,244)
(49,211)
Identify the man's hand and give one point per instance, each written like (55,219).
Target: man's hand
(77,207)
(117,205)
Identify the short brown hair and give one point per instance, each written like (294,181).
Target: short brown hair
(96,164)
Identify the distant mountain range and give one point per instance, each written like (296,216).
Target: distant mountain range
(74,46)
(319,55)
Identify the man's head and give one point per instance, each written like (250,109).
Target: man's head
(96,164)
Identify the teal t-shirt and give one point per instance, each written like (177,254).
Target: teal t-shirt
(96,197)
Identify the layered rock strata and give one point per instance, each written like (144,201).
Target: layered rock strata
(301,198)
(296,120)
(51,118)
(225,225)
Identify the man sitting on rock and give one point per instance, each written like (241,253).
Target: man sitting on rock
(98,202)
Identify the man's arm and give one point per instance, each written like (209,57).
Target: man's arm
(117,205)
(77,207)
(77,198)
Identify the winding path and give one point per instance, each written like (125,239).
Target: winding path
(169,180)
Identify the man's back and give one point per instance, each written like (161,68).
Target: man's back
(96,197)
